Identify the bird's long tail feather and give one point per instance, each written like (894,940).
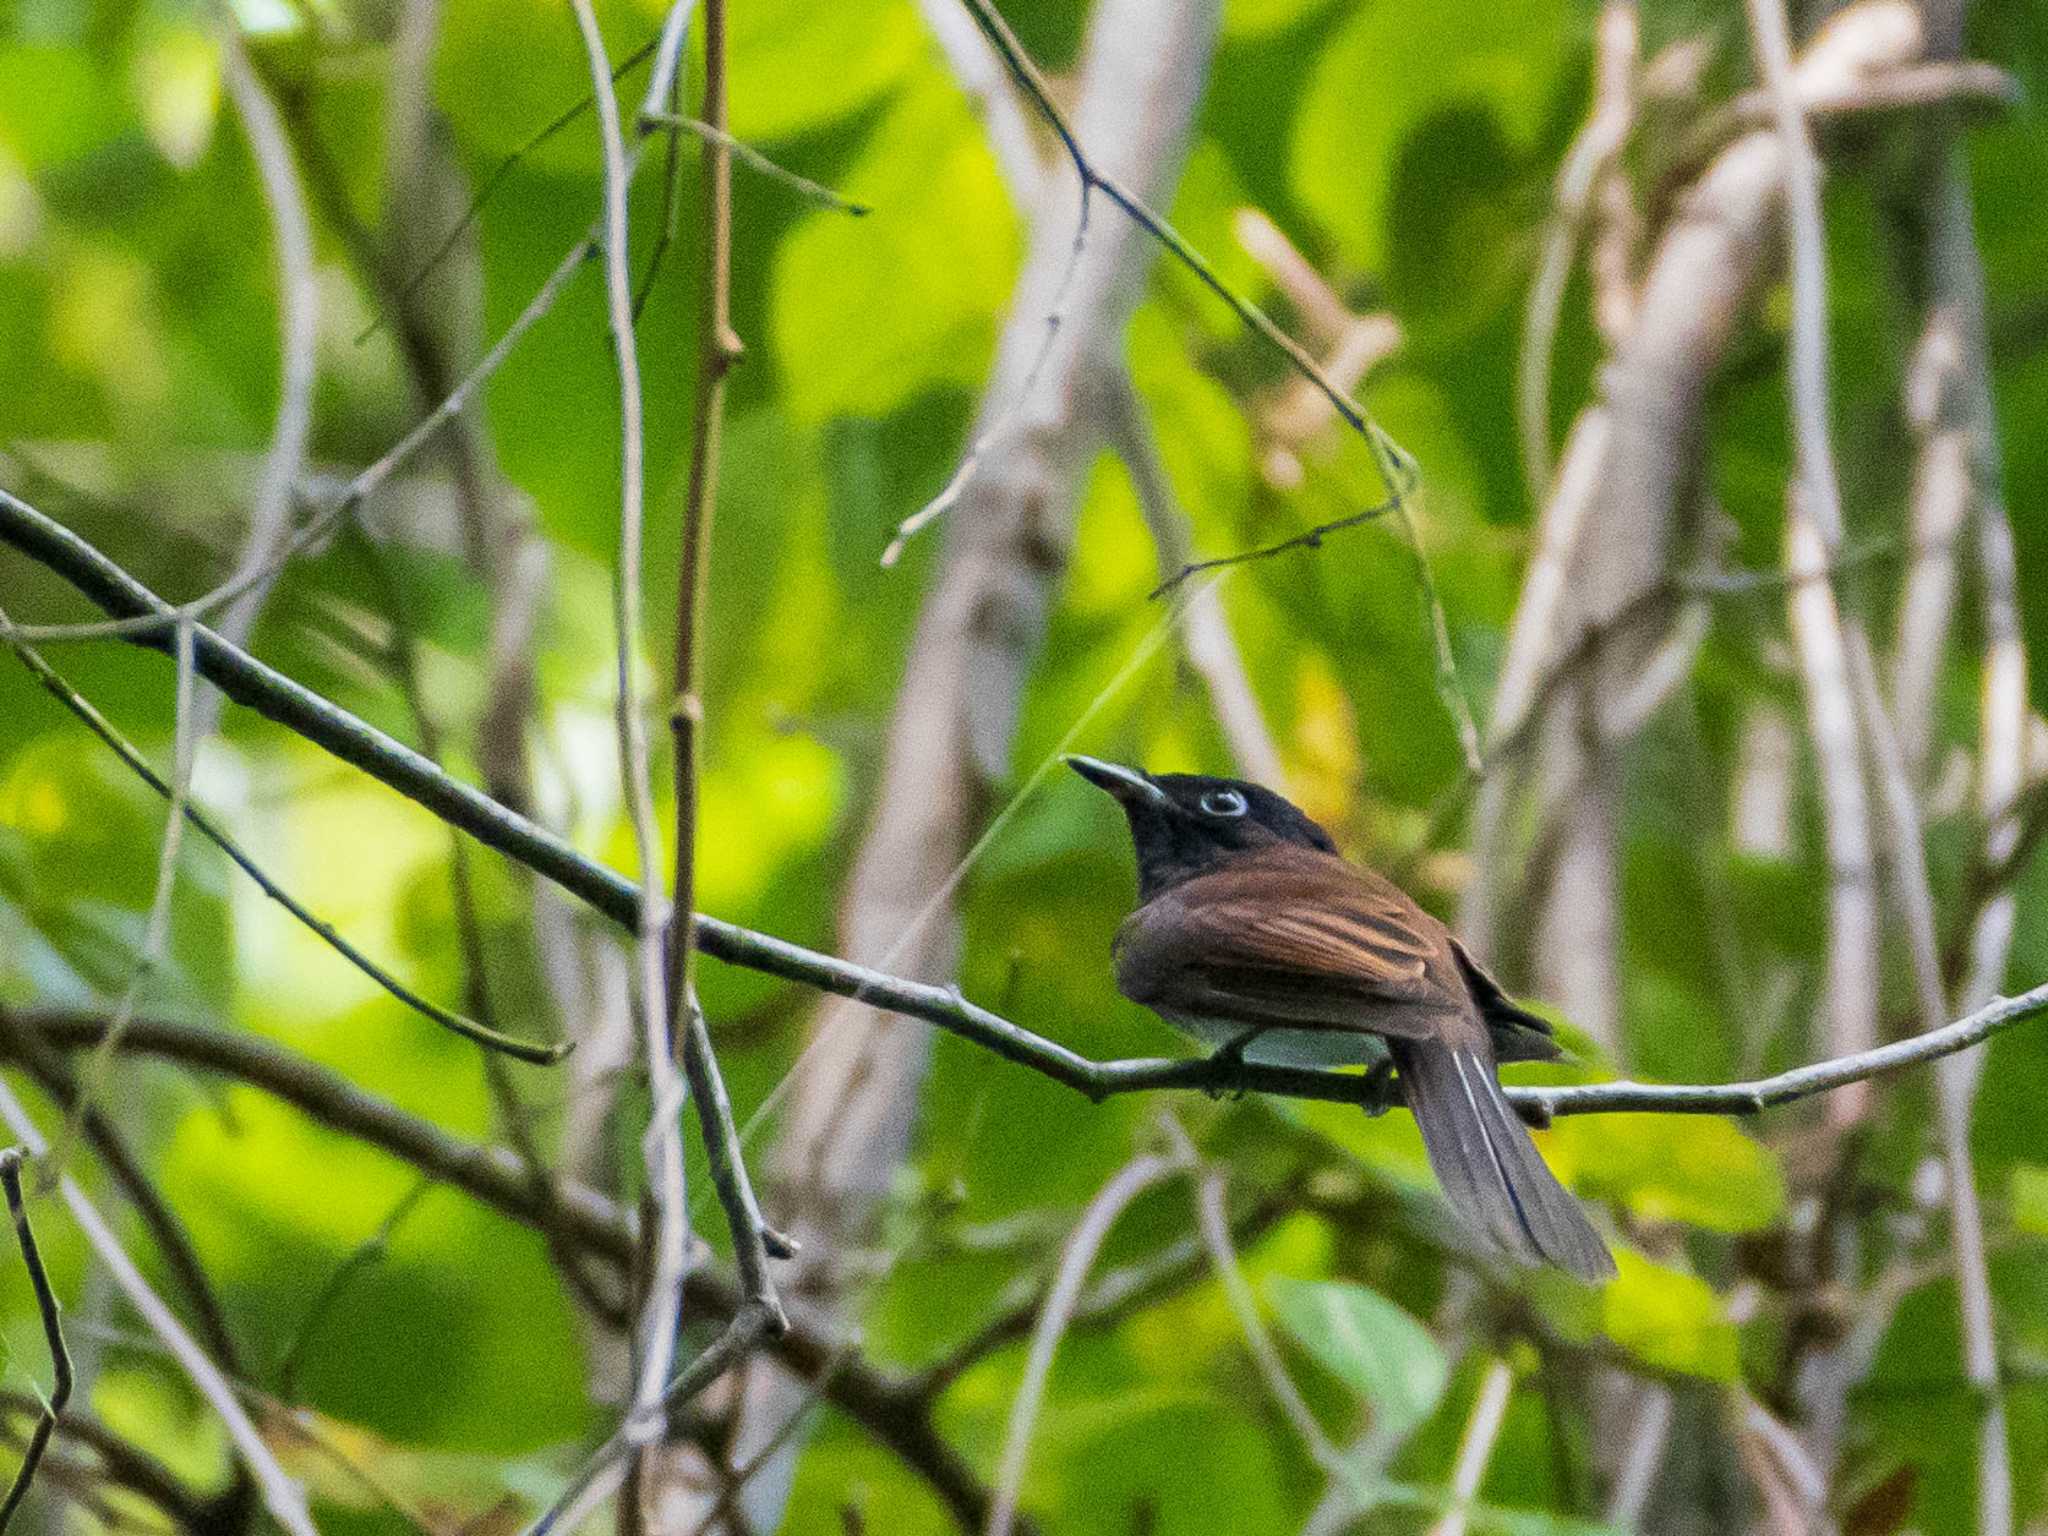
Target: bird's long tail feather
(1490,1170)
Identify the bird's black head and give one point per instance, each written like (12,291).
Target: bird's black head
(1186,824)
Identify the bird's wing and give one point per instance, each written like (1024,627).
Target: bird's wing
(1300,945)
(1518,1034)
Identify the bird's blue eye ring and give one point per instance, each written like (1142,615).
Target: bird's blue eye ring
(1224,802)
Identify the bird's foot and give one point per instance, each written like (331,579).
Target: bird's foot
(1382,1093)
(1231,1054)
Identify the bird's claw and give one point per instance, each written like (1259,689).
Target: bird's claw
(1381,1091)
(1231,1054)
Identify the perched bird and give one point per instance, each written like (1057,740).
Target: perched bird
(1253,935)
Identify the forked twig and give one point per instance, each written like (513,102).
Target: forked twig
(1394,466)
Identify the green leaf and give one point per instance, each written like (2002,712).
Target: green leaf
(1668,1318)
(1259,18)
(1375,1348)
(1691,1168)
(868,313)
(2028,1196)
(1382,76)
(54,106)
(846,55)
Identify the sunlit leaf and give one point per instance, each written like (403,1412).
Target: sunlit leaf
(868,313)
(2028,1193)
(1668,1319)
(846,54)
(1381,76)
(1700,1169)
(176,78)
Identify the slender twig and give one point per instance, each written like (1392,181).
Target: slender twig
(718,350)
(513,1112)
(157,927)
(120,1464)
(1310,539)
(492,182)
(1475,1450)
(748,1324)
(1004,117)
(283,1497)
(1026,74)
(757,162)
(1164,1273)
(785,1432)
(53,1334)
(671,211)
(1215,1231)
(667,1241)
(1076,1258)
(123,1168)
(205,825)
(371,1250)
(896,1414)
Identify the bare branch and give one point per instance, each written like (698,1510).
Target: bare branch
(668,1242)
(719,349)
(1598,143)
(53,1335)
(757,162)
(205,825)
(1215,1233)
(894,1410)
(249,681)
(1076,1258)
(284,1498)
(1475,1450)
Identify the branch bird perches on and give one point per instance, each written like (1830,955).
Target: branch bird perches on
(270,693)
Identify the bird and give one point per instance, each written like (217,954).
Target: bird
(1254,935)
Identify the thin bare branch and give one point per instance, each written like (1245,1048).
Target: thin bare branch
(668,1239)
(1599,142)
(204,824)
(894,1410)
(157,927)
(718,350)
(283,1497)
(757,162)
(371,1250)
(53,1334)
(1475,1449)
(1214,1227)
(1076,1259)
(299,709)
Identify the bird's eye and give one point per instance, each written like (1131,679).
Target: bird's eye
(1224,802)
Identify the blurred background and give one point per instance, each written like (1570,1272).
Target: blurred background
(1723,769)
